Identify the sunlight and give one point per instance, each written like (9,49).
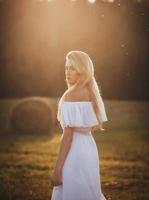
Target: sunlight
(91,1)
(46,0)
(109,1)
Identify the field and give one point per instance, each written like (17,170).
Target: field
(27,161)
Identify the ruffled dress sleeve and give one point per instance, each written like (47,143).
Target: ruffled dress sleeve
(79,114)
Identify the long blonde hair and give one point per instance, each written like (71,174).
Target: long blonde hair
(84,65)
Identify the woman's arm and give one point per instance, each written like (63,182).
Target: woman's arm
(63,151)
(64,147)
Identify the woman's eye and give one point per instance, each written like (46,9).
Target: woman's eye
(72,68)
(69,68)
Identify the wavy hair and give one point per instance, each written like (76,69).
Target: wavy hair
(84,66)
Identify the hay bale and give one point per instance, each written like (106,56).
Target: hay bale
(34,115)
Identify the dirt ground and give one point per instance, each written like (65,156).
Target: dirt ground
(27,161)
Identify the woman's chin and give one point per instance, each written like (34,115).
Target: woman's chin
(71,82)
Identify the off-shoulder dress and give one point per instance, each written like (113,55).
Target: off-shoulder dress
(81,170)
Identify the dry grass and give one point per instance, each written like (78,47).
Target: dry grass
(27,161)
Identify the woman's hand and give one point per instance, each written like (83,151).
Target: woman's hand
(56,177)
(98,127)
(101,128)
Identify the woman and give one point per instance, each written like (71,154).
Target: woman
(77,175)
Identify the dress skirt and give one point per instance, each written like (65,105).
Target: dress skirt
(81,172)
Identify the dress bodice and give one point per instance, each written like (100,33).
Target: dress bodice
(80,114)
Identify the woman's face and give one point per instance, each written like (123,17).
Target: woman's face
(72,75)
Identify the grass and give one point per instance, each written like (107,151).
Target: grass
(27,161)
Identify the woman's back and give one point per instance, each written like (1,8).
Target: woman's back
(77,111)
(78,94)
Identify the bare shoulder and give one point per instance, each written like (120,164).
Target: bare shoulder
(78,95)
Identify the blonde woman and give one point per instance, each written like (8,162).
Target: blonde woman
(81,109)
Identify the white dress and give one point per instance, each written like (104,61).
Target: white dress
(81,172)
